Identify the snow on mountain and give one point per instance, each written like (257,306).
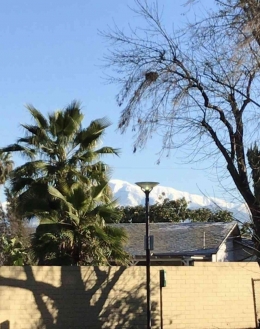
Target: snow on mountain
(132,195)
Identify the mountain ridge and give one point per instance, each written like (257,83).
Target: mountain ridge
(129,194)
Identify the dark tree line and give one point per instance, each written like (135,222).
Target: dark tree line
(173,211)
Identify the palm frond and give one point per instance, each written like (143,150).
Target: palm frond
(75,219)
(74,111)
(57,194)
(108,150)
(99,125)
(108,212)
(87,156)
(96,191)
(18,148)
(30,168)
(90,136)
(38,117)
(77,197)
(19,183)
(52,228)
(34,131)
(6,166)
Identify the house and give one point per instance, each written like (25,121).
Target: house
(186,243)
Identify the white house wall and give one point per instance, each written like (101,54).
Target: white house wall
(226,251)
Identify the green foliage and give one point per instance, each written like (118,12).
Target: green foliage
(246,229)
(14,240)
(169,210)
(12,252)
(65,186)
(173,211)
(81,237)
(6,166)
(59,151)
(17,227)
(207,215)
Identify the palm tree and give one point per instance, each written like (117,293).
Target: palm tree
(59,150)
(65,158)
(6,166)
(82,236)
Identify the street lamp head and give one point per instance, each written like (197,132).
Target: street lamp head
(147,186)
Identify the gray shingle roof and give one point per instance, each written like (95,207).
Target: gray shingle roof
(178,239)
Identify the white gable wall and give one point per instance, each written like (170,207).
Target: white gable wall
(226,251)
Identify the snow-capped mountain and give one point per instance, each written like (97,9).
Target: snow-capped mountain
(132,195)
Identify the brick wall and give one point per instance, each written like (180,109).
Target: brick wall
(207,295)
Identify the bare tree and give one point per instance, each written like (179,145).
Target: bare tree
(200,84)
(239,18)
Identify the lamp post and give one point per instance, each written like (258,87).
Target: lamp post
(147,187)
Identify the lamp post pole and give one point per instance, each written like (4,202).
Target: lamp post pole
(148,261)
(147,188)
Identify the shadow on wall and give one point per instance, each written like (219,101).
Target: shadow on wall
(92,301)
(5,325)
(130,311)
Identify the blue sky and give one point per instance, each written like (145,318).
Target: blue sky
(51,53)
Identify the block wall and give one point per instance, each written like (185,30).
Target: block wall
(204,296)
(212,295)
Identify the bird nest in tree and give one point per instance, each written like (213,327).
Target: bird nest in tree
(151,76)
